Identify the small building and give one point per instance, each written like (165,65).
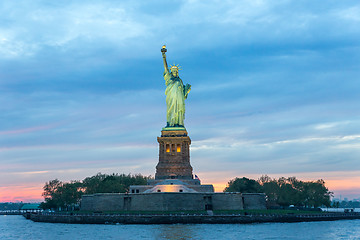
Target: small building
(31,207)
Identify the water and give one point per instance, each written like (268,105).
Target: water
(17,227)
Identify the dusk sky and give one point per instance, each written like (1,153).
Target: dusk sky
(275,89)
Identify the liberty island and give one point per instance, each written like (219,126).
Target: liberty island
(175,192)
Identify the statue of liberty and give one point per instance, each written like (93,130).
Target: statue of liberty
(176,93)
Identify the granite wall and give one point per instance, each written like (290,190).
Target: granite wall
(171,201)
(254,200)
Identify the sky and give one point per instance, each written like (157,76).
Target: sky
(275,89)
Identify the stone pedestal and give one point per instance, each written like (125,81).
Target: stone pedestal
(173,171)
(174,155)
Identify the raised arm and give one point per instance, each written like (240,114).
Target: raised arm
(163,51)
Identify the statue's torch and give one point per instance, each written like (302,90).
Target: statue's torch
(163,49)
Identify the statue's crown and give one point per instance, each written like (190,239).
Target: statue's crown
(175,67)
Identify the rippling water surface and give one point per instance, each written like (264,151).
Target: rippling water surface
(17,227)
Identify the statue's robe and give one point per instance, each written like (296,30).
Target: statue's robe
(175,100)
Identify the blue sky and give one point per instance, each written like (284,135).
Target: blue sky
(275,89)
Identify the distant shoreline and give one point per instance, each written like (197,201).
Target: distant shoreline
(11,213)
(185,218)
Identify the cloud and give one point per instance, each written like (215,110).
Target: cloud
(274,86)
(26,130)
(90,22)
(350,14)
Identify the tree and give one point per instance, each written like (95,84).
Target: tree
(243,185)
(288,195)
(51,187)
(114,183)
(69,194)
(49,194)
(284,191)
(316,194)
(59,195)
(291,192)
(271,188)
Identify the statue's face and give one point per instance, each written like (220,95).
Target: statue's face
(175,72)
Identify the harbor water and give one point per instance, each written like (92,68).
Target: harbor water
(17,227)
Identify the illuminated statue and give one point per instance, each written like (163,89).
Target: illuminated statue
(176,93)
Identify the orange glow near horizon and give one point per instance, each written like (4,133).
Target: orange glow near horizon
(21,194)
(338,187)
(344,186)
(341,183)
(219,186)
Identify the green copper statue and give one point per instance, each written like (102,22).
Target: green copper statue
(176,93)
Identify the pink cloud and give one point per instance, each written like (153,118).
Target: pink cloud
(21,193)
(31,129)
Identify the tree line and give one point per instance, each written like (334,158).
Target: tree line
(60,195)
(9,206)
(284,191)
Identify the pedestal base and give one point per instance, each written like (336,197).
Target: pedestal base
(174,156)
